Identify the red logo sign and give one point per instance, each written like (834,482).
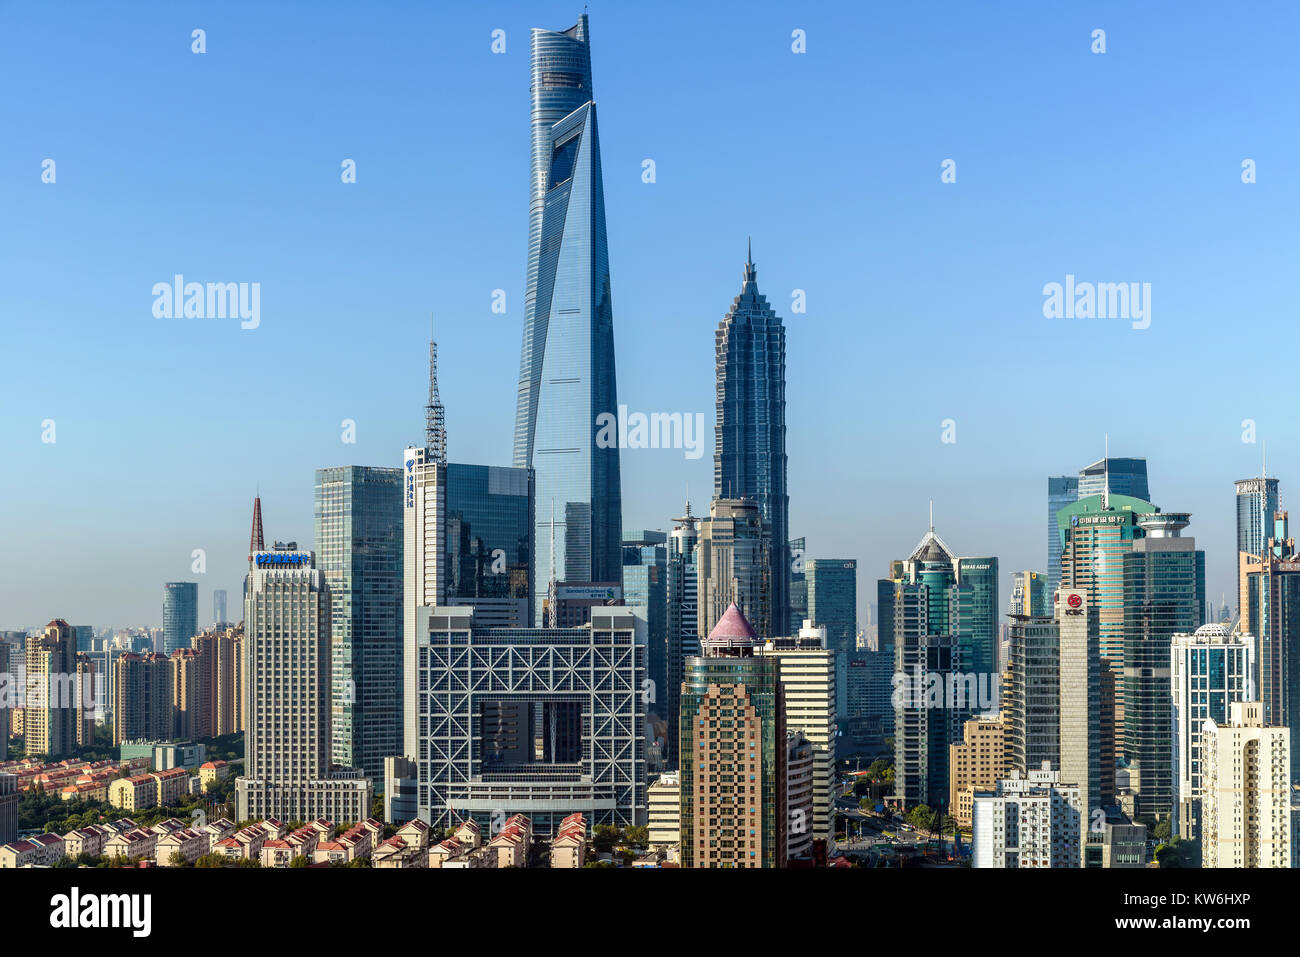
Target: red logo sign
(1074,601)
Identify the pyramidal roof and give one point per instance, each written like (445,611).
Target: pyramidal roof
(931,549)
(733,630)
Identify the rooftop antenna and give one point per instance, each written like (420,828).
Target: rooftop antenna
(435,420)
(552,588)
(932,515)
(1105,464)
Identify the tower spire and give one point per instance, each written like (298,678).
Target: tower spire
(751,274)
(1105,464)
(435,421)
(255,541)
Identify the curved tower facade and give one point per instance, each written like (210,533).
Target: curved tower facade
(566,369)
(749,460)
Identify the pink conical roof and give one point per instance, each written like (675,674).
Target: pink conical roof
(733,630)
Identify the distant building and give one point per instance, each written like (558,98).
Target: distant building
(682,627)
(53,711)
(180,615)
(733,555)
(8,808)
(799,795)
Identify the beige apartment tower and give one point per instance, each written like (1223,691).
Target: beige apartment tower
(1246,807)
(977,763)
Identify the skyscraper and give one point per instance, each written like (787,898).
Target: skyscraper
(1271,612)
(1096,533)
(645,589)
(1246,819)
(1257,503)
(749,460)
(1209,671)
(940,625)
(52,709)
(1029,594)
(732,554)
(287,770)
(219,612)
(359,549)
(1062,490)
(566,370)
(1118,476)
(798,585)
(180,615)
(733,752)
(1164,594)
(832,589)
(683,618)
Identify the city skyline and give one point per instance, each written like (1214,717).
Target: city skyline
(181,442)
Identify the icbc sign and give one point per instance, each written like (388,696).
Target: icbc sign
(1074,601)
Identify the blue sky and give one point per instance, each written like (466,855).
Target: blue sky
(924,299)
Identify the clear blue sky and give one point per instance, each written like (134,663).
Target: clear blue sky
(924,299)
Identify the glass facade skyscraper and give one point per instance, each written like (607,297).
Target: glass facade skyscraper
(1120,476)
(1256,503)
(749,460)
(832,585)
(645,586)
(180,615)
(1062,490)
(566,371)
(359,550)
(1164,595)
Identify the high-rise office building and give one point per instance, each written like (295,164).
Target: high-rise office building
(537,721)
(1116,476)
(1271,612)
(1062,490)
(180,615)
(52,711)
(1209,671)
(1246,805)
(798,585)
(287,768)
(1164,594)
(466,541)
(832,589)
(645,589)
(359,550)
(1029,594)
(749,459)
(5,700)
(220,615)
(807,675)
(733,752)
(732,554)
(1096,533)
(1257,503)
(682,637)
(943,614)
(567,380)
(1052,710)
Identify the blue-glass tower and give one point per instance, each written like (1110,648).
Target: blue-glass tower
(749,458)
(566,370)
(180,615)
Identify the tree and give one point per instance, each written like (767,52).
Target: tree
(300,861)
(638,836)
(603,838)
(1161,831)
(177,859)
